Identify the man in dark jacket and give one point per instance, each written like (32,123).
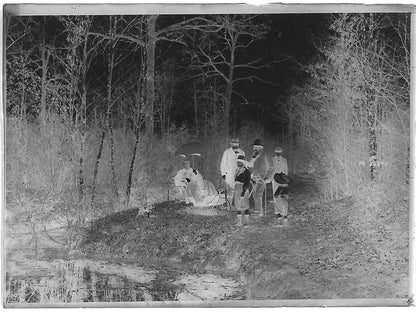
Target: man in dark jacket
(242,191)
(261,169)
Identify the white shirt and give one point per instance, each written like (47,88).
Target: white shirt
(280,165)
(229,164)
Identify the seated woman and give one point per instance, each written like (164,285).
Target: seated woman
(184,177)
(194,189)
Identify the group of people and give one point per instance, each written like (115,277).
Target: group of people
(249,176)
(243,177)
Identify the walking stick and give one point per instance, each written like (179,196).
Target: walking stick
(265,198)
(224,185)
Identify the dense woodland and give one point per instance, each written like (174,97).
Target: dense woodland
(97,105)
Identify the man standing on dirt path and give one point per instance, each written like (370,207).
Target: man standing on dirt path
(261,169)
(229,165)
(280,186)
(242,191)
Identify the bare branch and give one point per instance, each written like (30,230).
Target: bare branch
(120,37)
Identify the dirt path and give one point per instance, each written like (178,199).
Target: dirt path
(319,255)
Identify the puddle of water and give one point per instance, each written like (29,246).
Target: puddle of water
(81,281)
(85,280)
(207,287)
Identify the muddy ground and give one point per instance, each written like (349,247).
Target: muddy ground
(322,254)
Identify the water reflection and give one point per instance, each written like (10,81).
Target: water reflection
(74,282)
(84,280)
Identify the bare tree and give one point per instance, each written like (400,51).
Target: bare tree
(76,66)
(221,54)
(354,96)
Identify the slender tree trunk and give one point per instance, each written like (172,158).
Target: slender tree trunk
(372,137)
(84,81)
(150,74)
(107,120)
(131,169)
(113,170)
(97,163)
(229,88)
(163,105)
(227,109)
(72,93)
(22,102)
(113,28)
(290,149)
(83,115)
(45,59)
(43,90)
(196,111)
(169,110)
(214,105)
(81,168)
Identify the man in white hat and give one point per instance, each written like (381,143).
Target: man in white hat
(229,165)
(280,188)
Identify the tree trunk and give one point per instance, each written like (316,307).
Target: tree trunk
(372,137)
(150,74)
(113,28)
(45,59)
(290,149)
(81,168)
(97,163)
(43,89)
(84,81)
(107,119)
(229,90)
(113,170)
(22,102)
(72,93)
(130,177)
(214,106)
(83,117)
(196,111)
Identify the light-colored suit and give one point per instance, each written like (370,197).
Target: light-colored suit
(228,167)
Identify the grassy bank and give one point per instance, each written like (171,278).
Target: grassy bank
(324,253)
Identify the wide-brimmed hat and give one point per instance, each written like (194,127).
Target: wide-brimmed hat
(278,149)
(281,178)
(257,143)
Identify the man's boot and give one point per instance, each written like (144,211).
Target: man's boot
(258,205)
(261,214)
(285,221)
(246,218)
(279,219)
(239,220)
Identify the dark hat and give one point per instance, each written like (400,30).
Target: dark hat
(241,158)
(257,142)
(281,178)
